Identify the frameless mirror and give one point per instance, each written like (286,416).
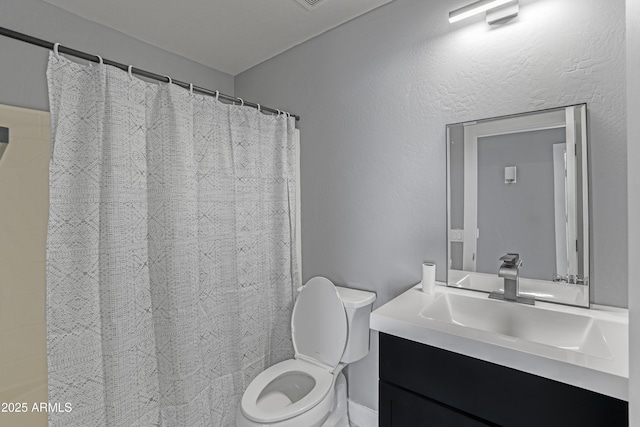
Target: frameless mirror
(519,184)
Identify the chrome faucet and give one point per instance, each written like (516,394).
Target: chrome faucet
(510,271)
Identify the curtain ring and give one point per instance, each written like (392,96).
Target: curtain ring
(241,102)
(170,81)
(217,95)
(191,88)
(130,71)
(279,112)
(259,108)
(100,58)
(55,49)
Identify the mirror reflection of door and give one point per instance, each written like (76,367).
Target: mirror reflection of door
(518,216)
(520,195)
(560,207)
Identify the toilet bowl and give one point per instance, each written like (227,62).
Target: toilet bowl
(329,328)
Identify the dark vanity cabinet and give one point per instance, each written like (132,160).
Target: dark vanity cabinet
(427,386)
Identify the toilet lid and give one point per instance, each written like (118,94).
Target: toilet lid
(319,323)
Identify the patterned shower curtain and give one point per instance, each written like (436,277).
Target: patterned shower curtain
(171,258)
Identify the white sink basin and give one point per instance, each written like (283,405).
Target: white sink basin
(587,348)
(567,331)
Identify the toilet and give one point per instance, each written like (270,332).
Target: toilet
(329,329)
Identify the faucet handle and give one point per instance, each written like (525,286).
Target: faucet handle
(511,259)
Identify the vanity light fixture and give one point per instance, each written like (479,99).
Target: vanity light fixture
(497,10)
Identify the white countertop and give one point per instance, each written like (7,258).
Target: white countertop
(402,317)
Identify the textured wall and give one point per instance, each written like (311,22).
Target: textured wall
(22,66)
(375,95)
(633,110)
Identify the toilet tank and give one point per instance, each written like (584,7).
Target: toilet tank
(357,305)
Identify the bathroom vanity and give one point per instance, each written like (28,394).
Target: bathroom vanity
(457,358)
(511,338)
(424,385)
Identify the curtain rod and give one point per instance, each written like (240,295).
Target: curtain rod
(93,58)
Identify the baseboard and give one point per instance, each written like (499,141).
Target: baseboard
(362,416)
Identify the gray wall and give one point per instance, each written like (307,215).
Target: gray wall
(633,110)
(518,217)
(375,95)
(22,66)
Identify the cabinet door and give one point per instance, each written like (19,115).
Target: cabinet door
(501,395)
(401,408)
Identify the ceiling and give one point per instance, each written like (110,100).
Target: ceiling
(228,35)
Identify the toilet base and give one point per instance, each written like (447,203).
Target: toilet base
(339,416)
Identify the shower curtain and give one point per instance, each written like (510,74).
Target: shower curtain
(171,254)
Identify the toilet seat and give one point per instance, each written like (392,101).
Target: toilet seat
(300,390)
(261,414)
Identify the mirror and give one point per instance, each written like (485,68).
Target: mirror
(519,184)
